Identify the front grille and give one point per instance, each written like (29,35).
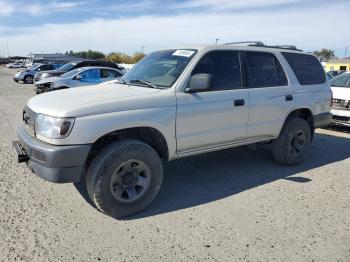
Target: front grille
(341,104)
(29,119)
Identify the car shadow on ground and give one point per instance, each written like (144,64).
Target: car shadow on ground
(209,177)
(338,128)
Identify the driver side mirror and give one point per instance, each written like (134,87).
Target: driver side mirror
(78,77)
(199,83)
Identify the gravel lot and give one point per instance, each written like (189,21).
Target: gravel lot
(233,205)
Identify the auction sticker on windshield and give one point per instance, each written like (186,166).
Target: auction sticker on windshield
(185,53)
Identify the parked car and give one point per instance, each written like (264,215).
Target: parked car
(329,76)
(335,73)
(27,75)
(82,76)
(172,104)
(74,65)
(16,65)
(341,99)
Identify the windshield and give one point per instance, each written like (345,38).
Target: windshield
(161,68)
(34,67)
(66,67)
(72,73)
(342,80)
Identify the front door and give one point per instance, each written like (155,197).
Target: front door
(88,77)
(218,116)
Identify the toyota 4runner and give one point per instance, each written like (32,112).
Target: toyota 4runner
(172,104)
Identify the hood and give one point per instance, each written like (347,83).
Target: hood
(341,92)
(48,80)
(53,72)
(92,100)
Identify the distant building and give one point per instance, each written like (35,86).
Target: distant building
(53,58)
(12,59)
(338,64)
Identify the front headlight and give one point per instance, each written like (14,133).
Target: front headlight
(53,127)
(51,86)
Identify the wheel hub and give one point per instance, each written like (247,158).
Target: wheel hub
(298,143)
(130,181)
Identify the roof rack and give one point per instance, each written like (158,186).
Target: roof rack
(289,47)
(251,43)
(261,44)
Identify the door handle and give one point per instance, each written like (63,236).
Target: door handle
(289,97)
(239,102)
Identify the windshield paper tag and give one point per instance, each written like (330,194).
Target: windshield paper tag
(185,53)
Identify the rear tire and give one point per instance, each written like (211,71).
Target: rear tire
(124,178)
(293,142)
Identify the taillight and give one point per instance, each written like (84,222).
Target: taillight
(331,103)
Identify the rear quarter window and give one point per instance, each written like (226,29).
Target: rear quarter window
(307,68)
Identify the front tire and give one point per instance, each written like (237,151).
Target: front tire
(28,79)
(124,178)
(293,142)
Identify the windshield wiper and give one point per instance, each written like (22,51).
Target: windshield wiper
(121,80)
(144,82)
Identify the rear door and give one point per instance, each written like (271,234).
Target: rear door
(216,117)
(270,93)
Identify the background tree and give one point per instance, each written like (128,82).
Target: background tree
(117,57)
(90,54)
(325,54)
(138,56)
(122,58)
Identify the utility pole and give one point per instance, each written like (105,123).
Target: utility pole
(346,51)
(142,49)
(216,41)
(8,52)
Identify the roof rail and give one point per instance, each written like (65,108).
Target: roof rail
(289,47)
(251,43)
(261,44)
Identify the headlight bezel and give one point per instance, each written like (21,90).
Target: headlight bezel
(49,127)
(45,75)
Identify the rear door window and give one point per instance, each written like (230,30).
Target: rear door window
(263,70)
(107,73)
(307,68)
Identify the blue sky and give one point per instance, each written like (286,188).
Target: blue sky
(56,26)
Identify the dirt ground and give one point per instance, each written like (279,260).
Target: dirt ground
(233,205)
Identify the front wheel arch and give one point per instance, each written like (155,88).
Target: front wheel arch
(149,135)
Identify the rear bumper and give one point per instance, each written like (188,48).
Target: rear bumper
(322,120)
(340,117)
(59,164)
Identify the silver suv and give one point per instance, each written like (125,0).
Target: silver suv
(173,103)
